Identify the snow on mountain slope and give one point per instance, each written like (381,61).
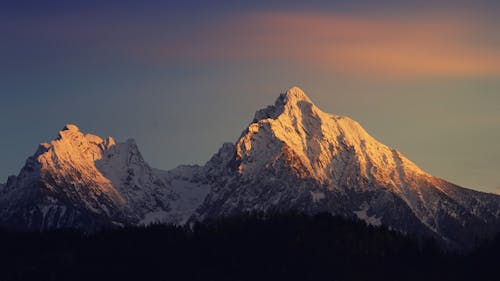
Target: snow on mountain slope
(86,182)
(293,156)
(189,184)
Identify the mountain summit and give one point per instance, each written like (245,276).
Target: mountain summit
(293,156)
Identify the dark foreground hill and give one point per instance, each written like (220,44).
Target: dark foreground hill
(281,247)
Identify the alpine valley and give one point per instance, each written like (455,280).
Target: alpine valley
(292,157)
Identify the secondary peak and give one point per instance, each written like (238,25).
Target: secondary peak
(71,127)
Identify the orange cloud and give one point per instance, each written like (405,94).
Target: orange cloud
(434,46)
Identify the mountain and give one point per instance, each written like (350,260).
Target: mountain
(85,182)
(293,156)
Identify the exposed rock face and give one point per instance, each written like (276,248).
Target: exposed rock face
(293,156)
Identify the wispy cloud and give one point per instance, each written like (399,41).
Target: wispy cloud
(438,45)
(430,46)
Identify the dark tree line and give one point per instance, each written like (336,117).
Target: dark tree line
(253,247)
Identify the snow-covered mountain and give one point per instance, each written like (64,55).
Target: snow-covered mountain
(83,181)
(293,156)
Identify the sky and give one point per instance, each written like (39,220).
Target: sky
(183,77)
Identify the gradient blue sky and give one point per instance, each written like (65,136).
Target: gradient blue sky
(182,77)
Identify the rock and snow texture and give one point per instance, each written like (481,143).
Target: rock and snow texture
(190,188)
(293,156)
(82,181)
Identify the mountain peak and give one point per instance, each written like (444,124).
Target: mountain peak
(70,132)
(317,143)
(71,127)
(288,102)
(295,94)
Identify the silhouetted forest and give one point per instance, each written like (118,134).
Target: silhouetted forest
(253,247)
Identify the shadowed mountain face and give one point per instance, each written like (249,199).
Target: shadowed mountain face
(292,157)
